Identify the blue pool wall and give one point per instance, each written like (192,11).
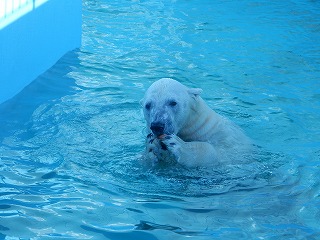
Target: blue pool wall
(34,42)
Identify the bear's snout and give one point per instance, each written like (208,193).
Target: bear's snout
(157,128)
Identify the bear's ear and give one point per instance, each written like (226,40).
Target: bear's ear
(195,92)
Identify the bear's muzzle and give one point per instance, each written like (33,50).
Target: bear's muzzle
(157,128)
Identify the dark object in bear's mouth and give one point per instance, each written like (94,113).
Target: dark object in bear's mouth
(163,146)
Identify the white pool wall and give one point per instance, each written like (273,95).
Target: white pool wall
(35,41)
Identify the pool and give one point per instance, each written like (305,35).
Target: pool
(72,141)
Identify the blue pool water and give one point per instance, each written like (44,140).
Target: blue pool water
(71,142)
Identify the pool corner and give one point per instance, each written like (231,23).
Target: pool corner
(35,40)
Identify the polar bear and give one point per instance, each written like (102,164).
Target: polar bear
(181,127)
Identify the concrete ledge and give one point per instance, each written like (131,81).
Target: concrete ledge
(34,42)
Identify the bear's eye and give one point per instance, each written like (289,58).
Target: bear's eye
(172,103)
(148,106)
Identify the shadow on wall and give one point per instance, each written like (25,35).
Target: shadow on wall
(34,35)
(12,10)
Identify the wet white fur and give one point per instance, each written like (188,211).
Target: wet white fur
(200,136)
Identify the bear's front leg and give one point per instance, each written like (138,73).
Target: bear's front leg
(190,154)
(152,151)
(156,150)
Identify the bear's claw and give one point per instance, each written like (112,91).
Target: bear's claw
(172,143)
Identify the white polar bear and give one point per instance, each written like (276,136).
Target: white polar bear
(181,127)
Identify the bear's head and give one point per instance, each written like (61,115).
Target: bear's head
(167,105)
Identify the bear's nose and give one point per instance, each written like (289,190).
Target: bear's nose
(157,128)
